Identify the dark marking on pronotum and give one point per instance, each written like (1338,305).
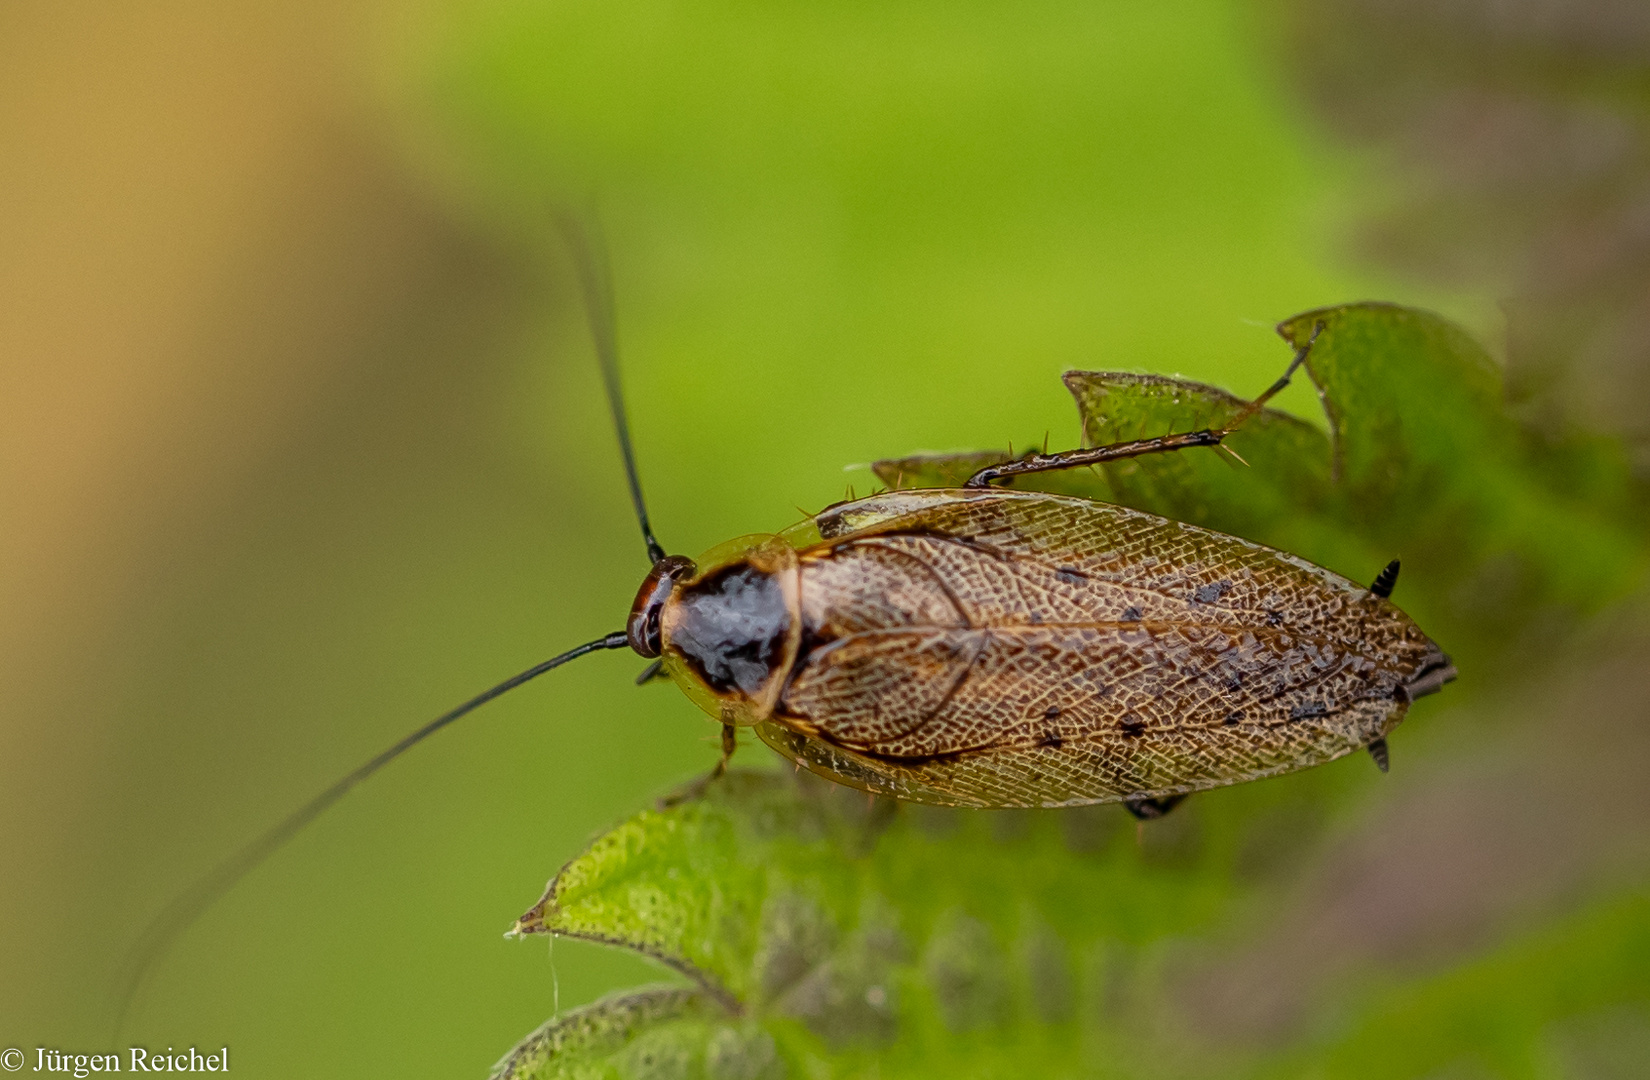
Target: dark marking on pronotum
(732,626)
(1385,580)
(1071,575)
(1377,750)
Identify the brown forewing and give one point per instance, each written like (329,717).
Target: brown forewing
(1016,648)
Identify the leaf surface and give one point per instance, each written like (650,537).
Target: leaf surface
(846,931)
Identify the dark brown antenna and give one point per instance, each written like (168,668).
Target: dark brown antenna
(584,237)
(185,908)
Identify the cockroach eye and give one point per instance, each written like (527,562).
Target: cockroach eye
(643,628)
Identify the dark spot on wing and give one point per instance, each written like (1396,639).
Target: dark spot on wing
(1071,575)
(1051,713)
(1274,618)
(1130,614)
(1133,727)
(1208,594)
(1234,717)
(1308,711)
(1051,740)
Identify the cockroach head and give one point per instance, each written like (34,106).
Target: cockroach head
(643,628)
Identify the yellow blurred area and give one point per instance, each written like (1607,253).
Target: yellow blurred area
(206,240)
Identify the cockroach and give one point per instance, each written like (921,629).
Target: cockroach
(988,647)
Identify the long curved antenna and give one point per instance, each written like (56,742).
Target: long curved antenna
(185,908)
(584,236)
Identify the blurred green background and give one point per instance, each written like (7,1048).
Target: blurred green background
(303,441)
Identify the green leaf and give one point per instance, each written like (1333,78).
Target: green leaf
(823,935)
(611,1037)
(850,931)
(1422,461)
(661,1032)
(1431,464)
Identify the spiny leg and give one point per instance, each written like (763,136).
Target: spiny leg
(696,788)
(730,743)
(1091,455)
(1097,455)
